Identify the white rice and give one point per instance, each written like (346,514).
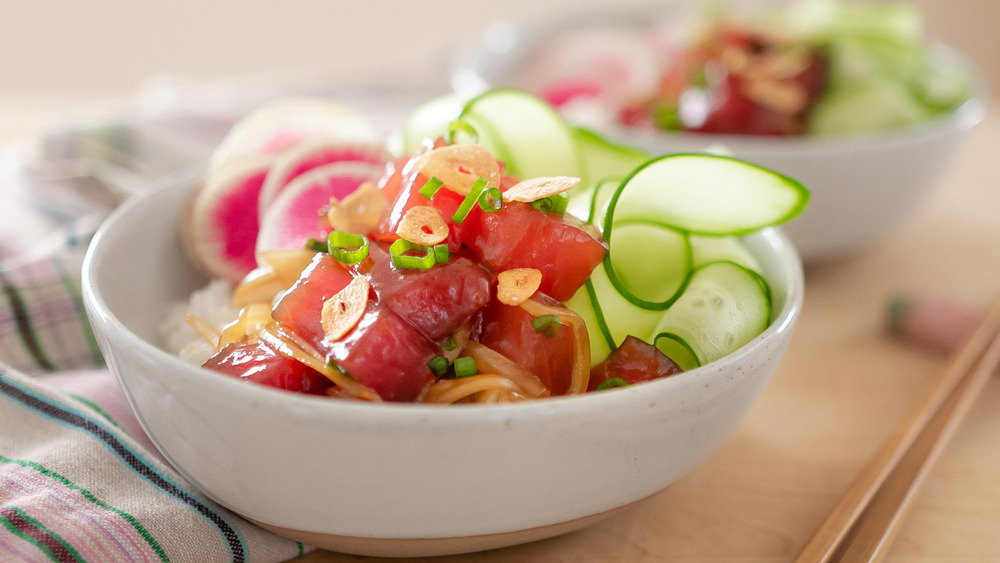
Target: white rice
(212,304)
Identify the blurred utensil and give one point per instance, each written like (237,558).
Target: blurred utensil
(864,524)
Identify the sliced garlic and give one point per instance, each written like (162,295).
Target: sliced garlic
(423,225)
(342,312)
(459,166)
(360,212)
(517,285)
(535,189)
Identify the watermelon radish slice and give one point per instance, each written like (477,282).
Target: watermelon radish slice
(310,153)
(297,213)
(275,126)
(614,64)
(221,224)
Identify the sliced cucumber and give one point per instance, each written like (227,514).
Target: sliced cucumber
(602,159)
(723,307)
(618,316)
(899,22)
(429,121)
(719,249)
(879,105)
(941,88)
(706,194)
(632,299)
(649,263)
(524,132)
(591,205)
(583,303)
(657,223)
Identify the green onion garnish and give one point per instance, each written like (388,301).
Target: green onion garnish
(546,324)
(459,126)
(449,343)
(400,259)
(490,200)
(470,199)
(438,365)
(667,117)
(613,382)
(332,364)
(347,248)
(552,204)
(431,187)
(317,246)
(465,366)
(441,253)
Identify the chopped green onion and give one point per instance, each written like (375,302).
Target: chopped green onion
(459,126)
(667,117)
(317,246)
(611,383)
(490,200)
(332,364)
(441,253)
(449,343)
(465,366)
(431,187)
(400,259)
(546,324)
(552,204)
(438,365)
(470,199)
(347,248)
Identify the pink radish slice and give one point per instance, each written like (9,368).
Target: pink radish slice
(308,154)
(561,93)
(616,59)
(220,229)
(277,125)
(298,212)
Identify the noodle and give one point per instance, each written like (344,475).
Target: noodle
(581,342)
(205,330)
(491,361)
(246,326)
(448,391)
(259,286)
(292,346)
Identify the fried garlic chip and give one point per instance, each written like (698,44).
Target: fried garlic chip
(423,225)
(459,166)
(535,189)
(518,285)
(342,312)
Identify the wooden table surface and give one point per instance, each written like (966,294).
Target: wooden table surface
(838,394)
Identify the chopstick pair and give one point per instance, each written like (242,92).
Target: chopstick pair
(866,520)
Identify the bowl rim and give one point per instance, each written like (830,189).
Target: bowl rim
(466,78)
(787,261)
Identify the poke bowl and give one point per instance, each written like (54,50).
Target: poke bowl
(870,144)
(409,479)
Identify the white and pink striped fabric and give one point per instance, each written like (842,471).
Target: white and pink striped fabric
(79,480)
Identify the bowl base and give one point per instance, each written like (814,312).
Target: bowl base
(433,547)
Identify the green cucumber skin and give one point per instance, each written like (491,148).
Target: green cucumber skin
(567,164)
(801,191)
(698,354)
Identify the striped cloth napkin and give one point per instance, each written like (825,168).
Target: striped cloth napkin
(79,480)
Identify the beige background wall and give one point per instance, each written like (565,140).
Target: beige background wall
(112,45)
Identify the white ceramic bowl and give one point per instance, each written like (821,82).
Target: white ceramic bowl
(862,186)
(401,479)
